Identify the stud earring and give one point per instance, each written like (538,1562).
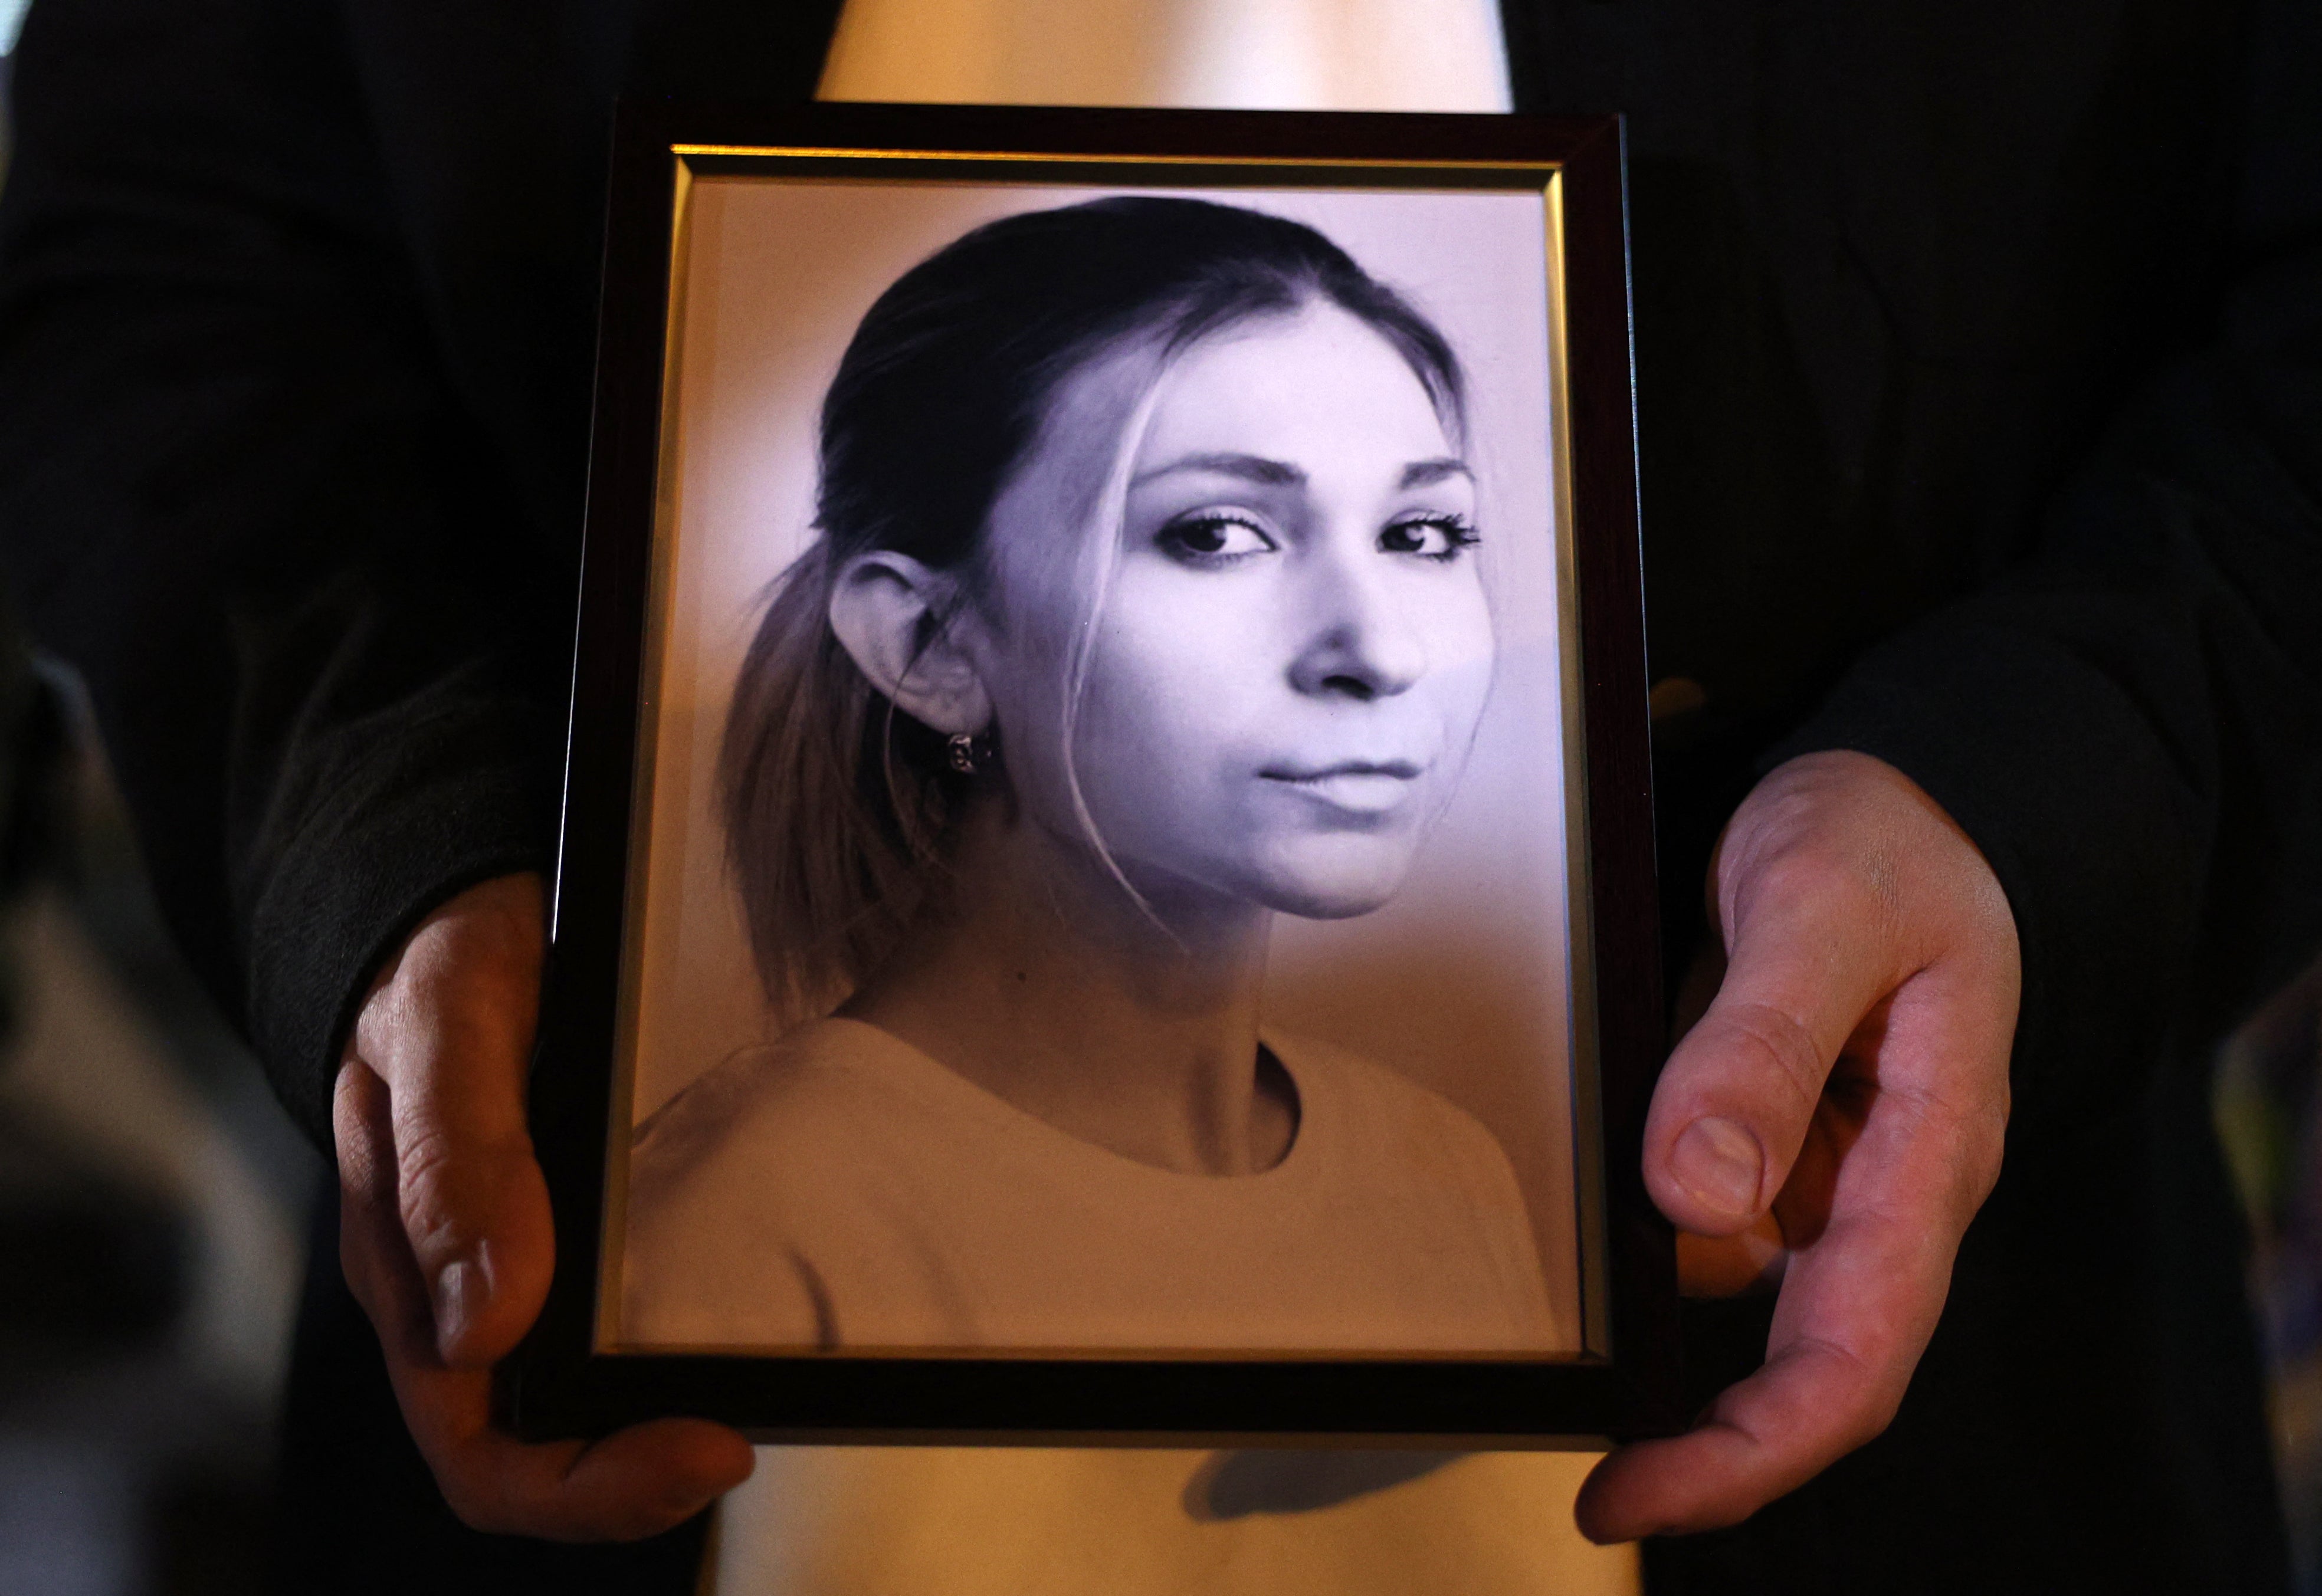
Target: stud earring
(968,753)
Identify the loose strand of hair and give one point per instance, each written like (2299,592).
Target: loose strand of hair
(1109,522)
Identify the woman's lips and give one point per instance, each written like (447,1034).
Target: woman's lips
(1359,787)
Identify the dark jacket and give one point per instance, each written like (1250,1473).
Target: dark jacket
(1980,380)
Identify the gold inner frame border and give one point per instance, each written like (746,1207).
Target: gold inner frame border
(690,162)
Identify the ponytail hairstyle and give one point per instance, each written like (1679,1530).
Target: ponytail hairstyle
(837,806)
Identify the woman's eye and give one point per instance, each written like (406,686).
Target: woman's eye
(1213,539)
(1430,537)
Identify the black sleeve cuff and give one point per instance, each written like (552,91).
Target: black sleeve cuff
(2048,762)
(422,814)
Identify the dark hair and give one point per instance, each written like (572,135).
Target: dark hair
(836,804)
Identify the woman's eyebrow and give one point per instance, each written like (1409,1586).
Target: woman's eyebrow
(1250,467)
(1281,473)
(1419,473)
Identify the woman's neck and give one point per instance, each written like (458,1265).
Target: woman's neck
(1044,983)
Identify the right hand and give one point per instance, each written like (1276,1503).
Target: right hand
(444,1233)
(1840,1110)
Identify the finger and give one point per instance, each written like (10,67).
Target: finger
(636,1482)
(372,1250)
(1859,1307)
(471,1198)
(451,1035)
(1858,1304)
(1762,1439)
(1729,1266)
(1736,1097)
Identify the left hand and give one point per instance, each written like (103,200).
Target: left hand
(445,1234)
(1837,1115)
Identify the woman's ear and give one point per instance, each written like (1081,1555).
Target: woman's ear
(896,618)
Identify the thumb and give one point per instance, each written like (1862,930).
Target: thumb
(450,1032)
(1738,1093)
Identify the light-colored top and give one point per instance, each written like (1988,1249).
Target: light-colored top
(844,1190)
(1032,1521)
(1258,55)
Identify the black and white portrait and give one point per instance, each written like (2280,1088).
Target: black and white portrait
(1104,858)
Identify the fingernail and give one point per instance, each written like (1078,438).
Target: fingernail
(1719,1163)
(461,1290)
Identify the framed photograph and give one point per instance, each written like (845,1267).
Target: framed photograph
(1106,884)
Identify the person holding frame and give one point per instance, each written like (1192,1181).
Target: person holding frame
(293,365)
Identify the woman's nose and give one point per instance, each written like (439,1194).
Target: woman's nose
(1362,646)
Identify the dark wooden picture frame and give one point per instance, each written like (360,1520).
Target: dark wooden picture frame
(1621,1381)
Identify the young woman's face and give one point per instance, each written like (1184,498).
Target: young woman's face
(1294,649)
